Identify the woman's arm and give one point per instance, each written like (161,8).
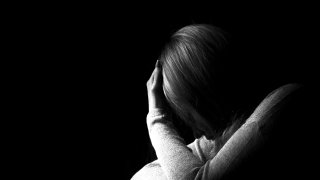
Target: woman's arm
(250,135)
(176,159)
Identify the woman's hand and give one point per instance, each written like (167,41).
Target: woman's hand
(156,96)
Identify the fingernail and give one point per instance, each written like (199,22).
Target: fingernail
(158,64)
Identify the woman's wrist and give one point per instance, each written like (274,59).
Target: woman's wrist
(154,112)
(157,115)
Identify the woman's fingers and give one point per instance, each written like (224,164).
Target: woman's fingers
(158,64)
(156,96)
(155,80)
(157,73)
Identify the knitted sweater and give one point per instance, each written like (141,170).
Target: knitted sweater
(202,159)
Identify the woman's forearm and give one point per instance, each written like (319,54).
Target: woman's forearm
(175,158)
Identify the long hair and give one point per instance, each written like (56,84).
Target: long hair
(192,69)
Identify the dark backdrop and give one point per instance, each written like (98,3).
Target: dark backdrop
(95,62)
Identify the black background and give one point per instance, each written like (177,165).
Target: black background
(90,64)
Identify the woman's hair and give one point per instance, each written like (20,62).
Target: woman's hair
(192,63)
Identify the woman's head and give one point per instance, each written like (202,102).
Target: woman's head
(191,63)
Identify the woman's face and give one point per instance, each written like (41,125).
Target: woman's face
(202,125)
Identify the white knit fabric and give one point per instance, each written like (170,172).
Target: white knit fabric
(176,161)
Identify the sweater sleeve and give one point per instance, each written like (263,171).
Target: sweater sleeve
(249,135)
(176,159)
(179,161)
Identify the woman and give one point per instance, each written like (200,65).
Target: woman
(187,82)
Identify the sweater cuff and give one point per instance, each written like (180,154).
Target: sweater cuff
(157,115)
(156,112)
